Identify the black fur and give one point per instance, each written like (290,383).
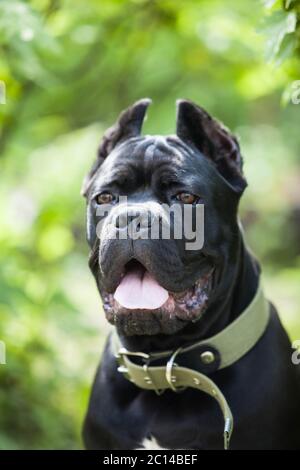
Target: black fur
(262,388)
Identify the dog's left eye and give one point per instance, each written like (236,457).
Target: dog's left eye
(186,198)
(104,198)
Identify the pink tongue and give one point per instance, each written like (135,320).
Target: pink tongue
(139,290)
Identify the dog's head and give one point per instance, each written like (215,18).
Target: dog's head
(154,281)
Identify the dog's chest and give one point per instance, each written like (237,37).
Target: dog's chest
(150,443)
(177,421)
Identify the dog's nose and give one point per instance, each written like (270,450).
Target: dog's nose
(139,220)
(121,221)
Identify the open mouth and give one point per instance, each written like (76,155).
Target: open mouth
(140,305)
(139,290)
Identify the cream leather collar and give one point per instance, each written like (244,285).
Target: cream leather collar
(215,353)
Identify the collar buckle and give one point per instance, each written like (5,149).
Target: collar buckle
(171,379)
(124,353)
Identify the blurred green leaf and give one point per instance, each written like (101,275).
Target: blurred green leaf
(276,27)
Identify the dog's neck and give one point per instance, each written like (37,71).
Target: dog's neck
(221,312)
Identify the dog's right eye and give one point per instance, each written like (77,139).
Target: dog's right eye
(104,198)
(186,198)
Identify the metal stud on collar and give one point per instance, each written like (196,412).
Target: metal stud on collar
(207,357)
(147,378)
(149,381)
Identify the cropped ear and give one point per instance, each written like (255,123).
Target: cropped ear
(129,124)
(195,126)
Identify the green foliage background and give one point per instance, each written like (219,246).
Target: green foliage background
(69,67)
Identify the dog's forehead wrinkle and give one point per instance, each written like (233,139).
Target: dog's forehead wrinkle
(160,156)
(147,159)
(148,156)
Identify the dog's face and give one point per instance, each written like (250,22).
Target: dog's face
(151,283)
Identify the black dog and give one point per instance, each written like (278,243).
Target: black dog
(161,296)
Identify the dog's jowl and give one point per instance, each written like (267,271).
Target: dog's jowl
(197,358)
